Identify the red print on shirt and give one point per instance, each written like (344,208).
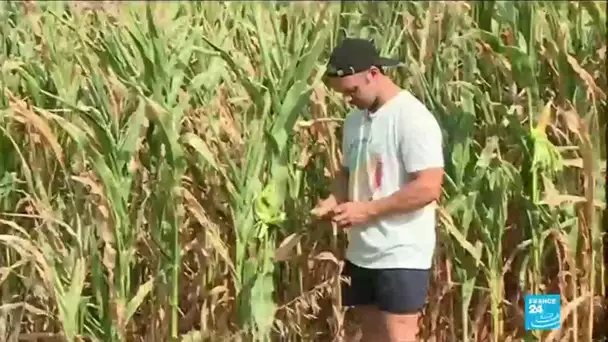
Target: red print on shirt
(378,173)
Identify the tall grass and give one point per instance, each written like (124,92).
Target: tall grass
(158,163)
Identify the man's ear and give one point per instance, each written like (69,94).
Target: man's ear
(374,72)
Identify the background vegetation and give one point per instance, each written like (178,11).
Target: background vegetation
(158,163)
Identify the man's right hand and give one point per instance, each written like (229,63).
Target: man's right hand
(324,207)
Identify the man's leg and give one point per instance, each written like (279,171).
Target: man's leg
(401,328)
(401,295)
(359,295)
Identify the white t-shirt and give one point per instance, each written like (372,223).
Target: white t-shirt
(380,150)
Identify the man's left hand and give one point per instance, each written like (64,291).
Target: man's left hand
(352,213)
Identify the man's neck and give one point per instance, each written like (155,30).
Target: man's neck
(387,93)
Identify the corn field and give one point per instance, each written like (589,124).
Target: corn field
(158,163)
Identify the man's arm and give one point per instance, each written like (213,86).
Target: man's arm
(339,186)
(338,189)
(424,188)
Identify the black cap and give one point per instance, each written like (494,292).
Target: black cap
(354,55)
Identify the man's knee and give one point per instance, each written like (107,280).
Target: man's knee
(364,323)
(368,323)
(401,327)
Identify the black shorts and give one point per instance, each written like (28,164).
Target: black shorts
(399,291)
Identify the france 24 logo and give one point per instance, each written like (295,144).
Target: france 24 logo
(542,312)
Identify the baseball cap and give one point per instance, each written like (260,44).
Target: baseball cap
(354,55)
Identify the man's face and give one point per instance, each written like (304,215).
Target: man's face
(359,89)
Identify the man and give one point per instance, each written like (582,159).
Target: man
(385,197)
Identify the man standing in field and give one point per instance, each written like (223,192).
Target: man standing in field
(386,195)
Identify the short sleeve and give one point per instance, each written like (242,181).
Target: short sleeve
(345,151)
(347,131)
(421,143)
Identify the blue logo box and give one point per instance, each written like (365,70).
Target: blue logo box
(542,312)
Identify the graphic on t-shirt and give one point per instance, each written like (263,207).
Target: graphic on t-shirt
(365,172)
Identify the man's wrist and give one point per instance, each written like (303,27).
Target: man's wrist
(375,208)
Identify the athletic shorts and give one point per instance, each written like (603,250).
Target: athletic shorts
(393,290)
